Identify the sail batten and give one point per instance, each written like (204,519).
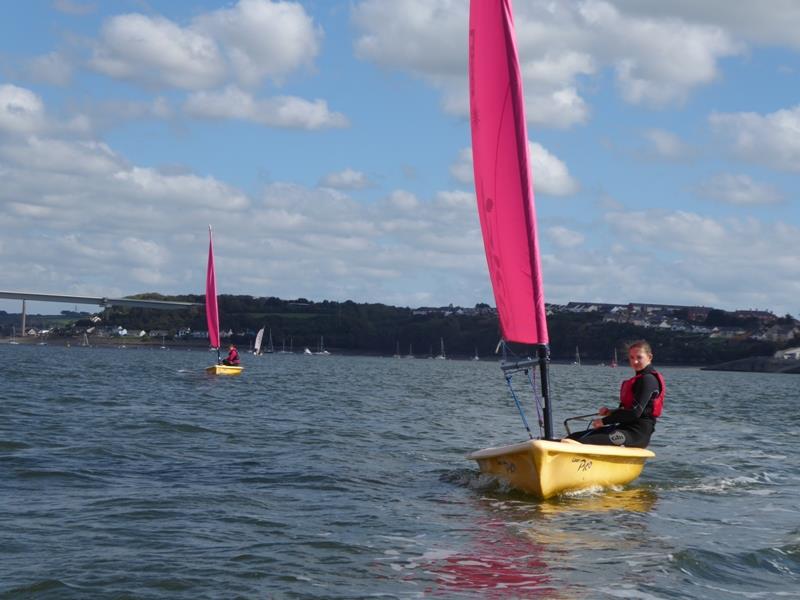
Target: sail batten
(212,311)
(503,182)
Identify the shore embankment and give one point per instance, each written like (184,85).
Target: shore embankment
(758,364)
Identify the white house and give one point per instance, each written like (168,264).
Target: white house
(789,353)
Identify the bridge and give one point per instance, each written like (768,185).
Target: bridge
(95,300)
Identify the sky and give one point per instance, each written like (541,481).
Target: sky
(328,145)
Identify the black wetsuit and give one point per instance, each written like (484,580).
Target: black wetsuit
(628,427)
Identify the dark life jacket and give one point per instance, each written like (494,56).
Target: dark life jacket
(627,399)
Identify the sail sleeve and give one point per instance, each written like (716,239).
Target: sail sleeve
(212,312)
(503,181)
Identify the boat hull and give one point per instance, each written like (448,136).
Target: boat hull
(547,468)
(224,370)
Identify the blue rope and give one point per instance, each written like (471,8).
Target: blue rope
(531,380)
(519,406)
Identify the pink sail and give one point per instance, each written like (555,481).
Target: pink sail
(503,183)
(212,312)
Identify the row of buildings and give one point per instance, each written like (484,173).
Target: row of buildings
(739,324)
(743,324)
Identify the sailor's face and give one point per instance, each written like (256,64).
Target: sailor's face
(638,358)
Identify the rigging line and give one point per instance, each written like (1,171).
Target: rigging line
(537,399)
(519,406)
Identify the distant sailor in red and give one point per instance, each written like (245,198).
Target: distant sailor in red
(233,357)
(641,399)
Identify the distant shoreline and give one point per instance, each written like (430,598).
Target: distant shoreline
(752,364)
(758,364)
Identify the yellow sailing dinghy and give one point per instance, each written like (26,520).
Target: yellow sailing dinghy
(543,467)
(212,315)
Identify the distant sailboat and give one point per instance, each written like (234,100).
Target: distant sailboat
(85,341)
(212,315)
(257,343)
(613,364)
(410,352)
(270,347)
(577,357)
(476,357)
(321,351)
(442,355)
(397,350)
(14,336)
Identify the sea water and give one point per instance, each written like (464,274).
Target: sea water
(130,473)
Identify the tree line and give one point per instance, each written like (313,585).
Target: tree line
(374,328)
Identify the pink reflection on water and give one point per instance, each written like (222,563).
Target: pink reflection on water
(500,565)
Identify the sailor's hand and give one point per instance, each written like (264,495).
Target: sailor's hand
(604,410)
(597,423)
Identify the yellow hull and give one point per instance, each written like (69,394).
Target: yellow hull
(544,468)
(224,370)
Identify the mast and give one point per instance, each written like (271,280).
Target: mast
(543,352)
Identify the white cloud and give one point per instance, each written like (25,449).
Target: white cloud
(772,140)
(295,241)
(61,156)
(461,169)
(21,111)
(681,256)
(457,199)
(775,24)
(561,108)
(666,145)
(280,111)
(179,190)
(53,185)
(349,179)
(562,237)
(657,60)
(739,248)
(262,38)
(143,252)
(155,51)
(417,35)
(403,200)
(739,190)
(550,174)
(252,40)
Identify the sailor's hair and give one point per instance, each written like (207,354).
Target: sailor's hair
(643,345)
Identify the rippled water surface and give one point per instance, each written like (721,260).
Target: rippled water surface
(129,473)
